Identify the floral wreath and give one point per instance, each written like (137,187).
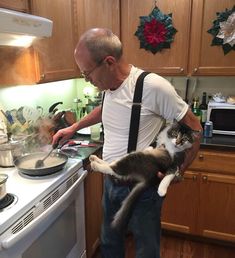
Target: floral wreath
(223,30)
(155,31)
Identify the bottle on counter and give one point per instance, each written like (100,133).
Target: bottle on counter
(203,109)
(77,108)
(195,108)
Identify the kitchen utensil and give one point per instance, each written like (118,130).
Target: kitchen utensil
(40,163)
(186,90)
(26,163)
(9,151)
(53,106)
(3,179)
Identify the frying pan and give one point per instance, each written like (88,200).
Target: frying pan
(26,163)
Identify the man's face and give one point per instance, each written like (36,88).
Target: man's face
(91,71)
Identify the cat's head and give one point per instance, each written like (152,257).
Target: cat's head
(181,135)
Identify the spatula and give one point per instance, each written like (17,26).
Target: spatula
(40,163)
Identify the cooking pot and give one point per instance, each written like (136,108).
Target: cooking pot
(3,179)
(26,163)
(9,151)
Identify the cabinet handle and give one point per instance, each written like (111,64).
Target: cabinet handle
(204,178)
(181,69)
(201,157)
(42,77)
(195,70)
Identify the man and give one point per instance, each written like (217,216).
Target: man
(98,54)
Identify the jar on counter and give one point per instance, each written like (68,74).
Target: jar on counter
(9,152)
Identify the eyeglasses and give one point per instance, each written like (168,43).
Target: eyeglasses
(86,74)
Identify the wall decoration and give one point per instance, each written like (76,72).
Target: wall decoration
(223,30)
(155,31)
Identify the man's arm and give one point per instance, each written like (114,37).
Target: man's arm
(92,118)
(190,120)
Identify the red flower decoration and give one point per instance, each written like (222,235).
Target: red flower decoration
(154,32)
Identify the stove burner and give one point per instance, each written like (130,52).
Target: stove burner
(7,201)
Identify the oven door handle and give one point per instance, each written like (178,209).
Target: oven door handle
(13,239)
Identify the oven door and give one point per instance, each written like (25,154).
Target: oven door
(59,232)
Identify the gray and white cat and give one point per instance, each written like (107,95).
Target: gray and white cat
(141,167)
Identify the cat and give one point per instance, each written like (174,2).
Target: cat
(141,167)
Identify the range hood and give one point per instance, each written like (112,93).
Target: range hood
(20,29)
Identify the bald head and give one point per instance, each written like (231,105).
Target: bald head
(100,42)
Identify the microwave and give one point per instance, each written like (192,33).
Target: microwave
(223,117)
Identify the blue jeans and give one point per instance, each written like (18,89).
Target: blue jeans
(144,223)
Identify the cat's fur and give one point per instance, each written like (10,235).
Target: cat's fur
(141,167)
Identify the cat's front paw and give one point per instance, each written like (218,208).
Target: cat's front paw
(92,158)
(94,166)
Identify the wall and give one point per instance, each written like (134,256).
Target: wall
(212,85)
(43,94)
(46,94)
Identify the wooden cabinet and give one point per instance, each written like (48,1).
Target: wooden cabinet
(171,61)
(191,52)
(203,204)
(103,13)
(56,54)
(204,58)
(93,209)
(17,5)
(18,66)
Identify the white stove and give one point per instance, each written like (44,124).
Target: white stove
(34,197)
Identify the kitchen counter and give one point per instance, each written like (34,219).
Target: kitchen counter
(219,142)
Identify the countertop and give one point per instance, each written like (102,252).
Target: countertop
(217,142)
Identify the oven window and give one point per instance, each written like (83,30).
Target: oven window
(58,240)
(223,119)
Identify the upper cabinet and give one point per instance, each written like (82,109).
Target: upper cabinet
(17,5)
(172,61)
(103,13)
(55,54)
(204,58)
(191,52)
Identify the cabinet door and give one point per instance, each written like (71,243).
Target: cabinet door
(180,206)
(103,13)
(17,5)
(56,53)
(171,61)
(93,209)
(217,206)
(204,58)
(18,66)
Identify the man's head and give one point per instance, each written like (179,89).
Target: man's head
(98,54)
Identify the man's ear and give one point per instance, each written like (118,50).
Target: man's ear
(109,60)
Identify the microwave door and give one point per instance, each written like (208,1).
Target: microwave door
(223,120)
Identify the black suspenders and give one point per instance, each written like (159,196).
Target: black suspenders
(135,113)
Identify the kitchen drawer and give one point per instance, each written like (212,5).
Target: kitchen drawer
(214,161)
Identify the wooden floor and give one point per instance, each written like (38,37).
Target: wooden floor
(180,247)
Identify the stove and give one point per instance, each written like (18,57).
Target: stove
(24,193)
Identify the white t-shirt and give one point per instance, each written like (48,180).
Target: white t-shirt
(159,101)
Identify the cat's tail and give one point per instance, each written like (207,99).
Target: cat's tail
(121,217)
